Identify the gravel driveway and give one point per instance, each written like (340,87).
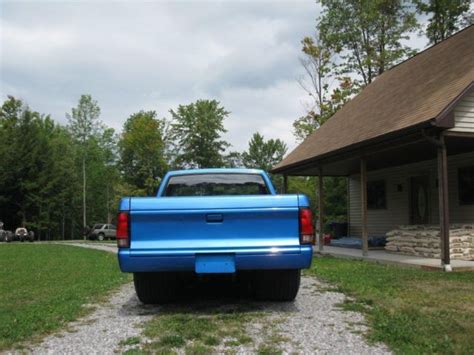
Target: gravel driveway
(312,324)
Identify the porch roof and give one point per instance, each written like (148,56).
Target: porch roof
(414,95)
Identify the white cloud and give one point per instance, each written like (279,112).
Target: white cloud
(157,55)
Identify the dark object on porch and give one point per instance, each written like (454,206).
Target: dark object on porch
(327,239)
(338,229)
(356,243)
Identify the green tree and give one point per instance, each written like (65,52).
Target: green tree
(233,160)
(321,112)
(142,151)
(84,124)
(39,185)
(446,17)
(263,154)
(109,148)
(65,185)
(318,64)
(368,35)
(196,130)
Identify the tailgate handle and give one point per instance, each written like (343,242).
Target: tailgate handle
(214,217)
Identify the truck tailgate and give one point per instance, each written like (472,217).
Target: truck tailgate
(217,224)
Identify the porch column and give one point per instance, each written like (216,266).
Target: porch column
(320,210)
(443,204)
(285,184)
(363,206)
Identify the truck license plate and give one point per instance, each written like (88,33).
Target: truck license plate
(215,264)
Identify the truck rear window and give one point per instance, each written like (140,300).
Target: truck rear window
(216,185)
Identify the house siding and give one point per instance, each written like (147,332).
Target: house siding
(464,115)
(397,211)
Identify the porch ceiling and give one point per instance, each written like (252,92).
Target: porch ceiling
(411,148)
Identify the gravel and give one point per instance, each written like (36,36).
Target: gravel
(313,324)
(102,331)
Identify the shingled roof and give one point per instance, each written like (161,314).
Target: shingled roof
(417,91)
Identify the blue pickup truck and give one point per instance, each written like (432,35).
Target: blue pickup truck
(215,221)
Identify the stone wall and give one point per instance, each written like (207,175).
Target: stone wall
(424,240)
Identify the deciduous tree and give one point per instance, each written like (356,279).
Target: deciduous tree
(446,17)
(196,130)
(367,35)
(263,154)
(84,124)
(142,151)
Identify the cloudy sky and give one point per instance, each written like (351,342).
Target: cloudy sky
(155,55)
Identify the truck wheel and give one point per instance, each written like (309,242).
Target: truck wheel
(100,237)
(155,287)
(277,285)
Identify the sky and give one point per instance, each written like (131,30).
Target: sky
(135,55)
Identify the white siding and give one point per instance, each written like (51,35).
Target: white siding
(464,115)
(397,211)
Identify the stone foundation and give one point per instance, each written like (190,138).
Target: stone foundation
(424,240)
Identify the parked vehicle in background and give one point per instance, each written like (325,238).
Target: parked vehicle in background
(22,235)
(215,221)
(5,236)
(3,233)
(102,232)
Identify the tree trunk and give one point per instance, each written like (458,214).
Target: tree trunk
(109,217)
(63,222)
(84,197)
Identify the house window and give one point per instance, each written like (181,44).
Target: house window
(466,185)
(376,196)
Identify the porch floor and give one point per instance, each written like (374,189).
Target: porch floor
(385,257)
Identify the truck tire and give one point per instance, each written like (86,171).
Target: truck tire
(100,237)
(277,285)
(156,287)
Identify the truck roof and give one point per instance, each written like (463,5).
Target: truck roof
(215,170)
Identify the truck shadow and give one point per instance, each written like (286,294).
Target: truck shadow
(210,296)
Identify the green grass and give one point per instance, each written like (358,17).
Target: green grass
(131,341)
(411,310)
(42,287)
(198,329)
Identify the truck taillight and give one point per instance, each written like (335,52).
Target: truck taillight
(123,240)
(306,226)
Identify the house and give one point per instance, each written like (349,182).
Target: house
(406,145)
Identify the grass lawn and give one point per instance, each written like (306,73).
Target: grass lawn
(42,287)
(410,310)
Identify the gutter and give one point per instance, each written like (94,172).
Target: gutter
(355,148)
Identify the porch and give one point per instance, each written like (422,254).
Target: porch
(384,257)
(427,154)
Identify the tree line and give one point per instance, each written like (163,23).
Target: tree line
(55,179)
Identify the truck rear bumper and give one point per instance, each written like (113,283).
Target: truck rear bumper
(245,259)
